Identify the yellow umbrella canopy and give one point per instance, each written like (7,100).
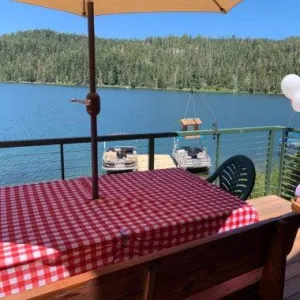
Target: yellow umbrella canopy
(90,8)
(104,7)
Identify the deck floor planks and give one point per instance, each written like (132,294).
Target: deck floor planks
(292,275)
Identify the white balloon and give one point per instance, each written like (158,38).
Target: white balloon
(296,102)
(290,85)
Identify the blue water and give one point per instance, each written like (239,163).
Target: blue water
(40,111)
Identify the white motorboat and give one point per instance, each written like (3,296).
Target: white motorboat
(120,159)
(190,157)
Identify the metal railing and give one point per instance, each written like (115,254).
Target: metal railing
(60,145)
(271,149)
(259,143)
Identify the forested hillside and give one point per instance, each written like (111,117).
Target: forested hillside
(250,65)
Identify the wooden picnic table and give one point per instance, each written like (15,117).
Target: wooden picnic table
(50,231)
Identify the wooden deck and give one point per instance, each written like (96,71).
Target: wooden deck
(161,161)
(273,206)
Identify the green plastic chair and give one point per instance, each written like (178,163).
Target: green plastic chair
(236,175)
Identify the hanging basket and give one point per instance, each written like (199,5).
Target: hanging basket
(295,206)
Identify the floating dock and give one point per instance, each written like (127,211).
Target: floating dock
(161,161)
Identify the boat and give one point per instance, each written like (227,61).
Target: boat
(191,157)
(120,159)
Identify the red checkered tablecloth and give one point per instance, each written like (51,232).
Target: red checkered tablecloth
(50,231)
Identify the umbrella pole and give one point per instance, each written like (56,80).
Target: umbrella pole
(93,106)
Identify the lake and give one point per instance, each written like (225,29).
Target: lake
(41,111)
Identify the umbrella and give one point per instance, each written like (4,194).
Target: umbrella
(90,8)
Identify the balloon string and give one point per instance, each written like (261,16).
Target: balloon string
(291,118)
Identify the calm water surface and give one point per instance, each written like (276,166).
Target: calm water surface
(40,111)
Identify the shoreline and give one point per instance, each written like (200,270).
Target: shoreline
(222,91)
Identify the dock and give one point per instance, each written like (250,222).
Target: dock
(161,161)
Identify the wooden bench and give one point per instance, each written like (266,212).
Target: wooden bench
(270,206)
(210,268)
(273,206)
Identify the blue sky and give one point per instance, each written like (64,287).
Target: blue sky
(276,19)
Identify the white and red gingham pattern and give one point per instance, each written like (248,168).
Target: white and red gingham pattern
(51,231)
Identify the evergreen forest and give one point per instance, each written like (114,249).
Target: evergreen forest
(201,63)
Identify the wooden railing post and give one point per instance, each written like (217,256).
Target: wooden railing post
(151,153)
(62,161)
